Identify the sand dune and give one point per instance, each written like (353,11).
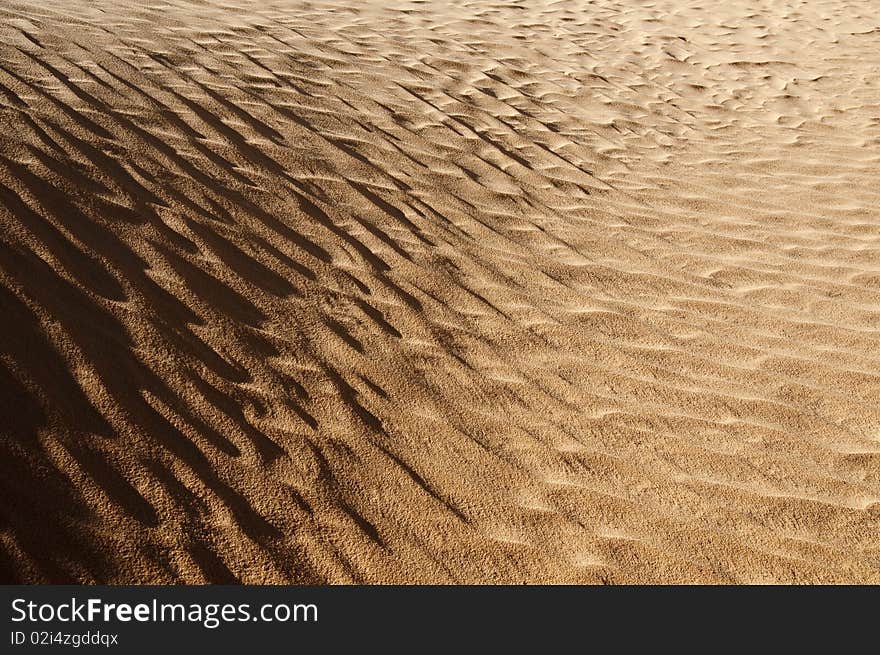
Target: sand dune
(400,292)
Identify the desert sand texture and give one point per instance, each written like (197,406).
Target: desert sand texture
(453,292)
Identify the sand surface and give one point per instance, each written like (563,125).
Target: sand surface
(439,292)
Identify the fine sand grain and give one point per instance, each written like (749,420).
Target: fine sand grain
(545,291)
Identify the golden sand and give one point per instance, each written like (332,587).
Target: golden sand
(439,292)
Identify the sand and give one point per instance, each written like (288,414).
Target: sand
(410,292)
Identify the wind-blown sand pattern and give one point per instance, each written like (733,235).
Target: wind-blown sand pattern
(439,292)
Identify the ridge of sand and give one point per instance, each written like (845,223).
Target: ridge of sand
(536,291)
